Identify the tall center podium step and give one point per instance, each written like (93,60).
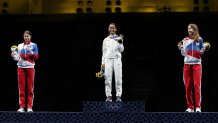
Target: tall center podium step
(124,106)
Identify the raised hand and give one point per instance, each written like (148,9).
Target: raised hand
(180,45)
(120,39)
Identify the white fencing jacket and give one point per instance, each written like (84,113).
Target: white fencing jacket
(111,48)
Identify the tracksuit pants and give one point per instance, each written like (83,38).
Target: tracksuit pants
(26,86)
(113,65)
(192,80)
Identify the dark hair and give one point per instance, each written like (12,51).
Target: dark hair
(27,32)
(113,24)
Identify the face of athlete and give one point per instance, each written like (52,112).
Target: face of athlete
(190,31)
(112,29)
(26,37)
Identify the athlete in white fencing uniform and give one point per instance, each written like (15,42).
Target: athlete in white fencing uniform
(111,62)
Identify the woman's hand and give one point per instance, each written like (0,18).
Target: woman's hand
(202,50)
(29,49)
(102,66)
(180,46)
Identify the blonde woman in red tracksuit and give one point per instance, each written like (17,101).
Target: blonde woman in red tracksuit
(25,54)
(192,48)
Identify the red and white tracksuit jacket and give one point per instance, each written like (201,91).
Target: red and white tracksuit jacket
(192,71)
(26,72)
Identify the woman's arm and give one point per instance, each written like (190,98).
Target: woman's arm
(103,53)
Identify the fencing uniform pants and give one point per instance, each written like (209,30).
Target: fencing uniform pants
(192,80)
(26,86)
(113,65)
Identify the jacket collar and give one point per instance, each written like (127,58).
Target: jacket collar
(26,43)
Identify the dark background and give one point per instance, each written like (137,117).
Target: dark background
(70,55)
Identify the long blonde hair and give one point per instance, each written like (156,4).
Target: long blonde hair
(196,34)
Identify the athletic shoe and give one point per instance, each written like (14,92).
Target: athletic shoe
(109,99)
(189,110)
(119,99)
(198,110)
(21,110)
(29,110)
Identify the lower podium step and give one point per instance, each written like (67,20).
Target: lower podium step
(108,117)
(124,106)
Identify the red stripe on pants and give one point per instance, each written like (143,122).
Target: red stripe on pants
(26,79)
(192,81)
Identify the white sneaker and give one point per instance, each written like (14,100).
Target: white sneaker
(109,99)
(119,99)
(21,110)
(198,110)
(29,110)
(189,110)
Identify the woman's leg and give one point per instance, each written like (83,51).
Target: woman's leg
(30,75)
(21,86)
(197,73)
(108,77)
(118,76)
(187,77)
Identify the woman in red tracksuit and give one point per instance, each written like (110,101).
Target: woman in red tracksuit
(192,48)
(26,54)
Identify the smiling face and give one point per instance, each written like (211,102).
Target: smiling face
(190,30)
(193,32)
(26,37)
(112,29)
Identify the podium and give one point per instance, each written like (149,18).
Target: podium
(101,111)
(116,106)
(108,112)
